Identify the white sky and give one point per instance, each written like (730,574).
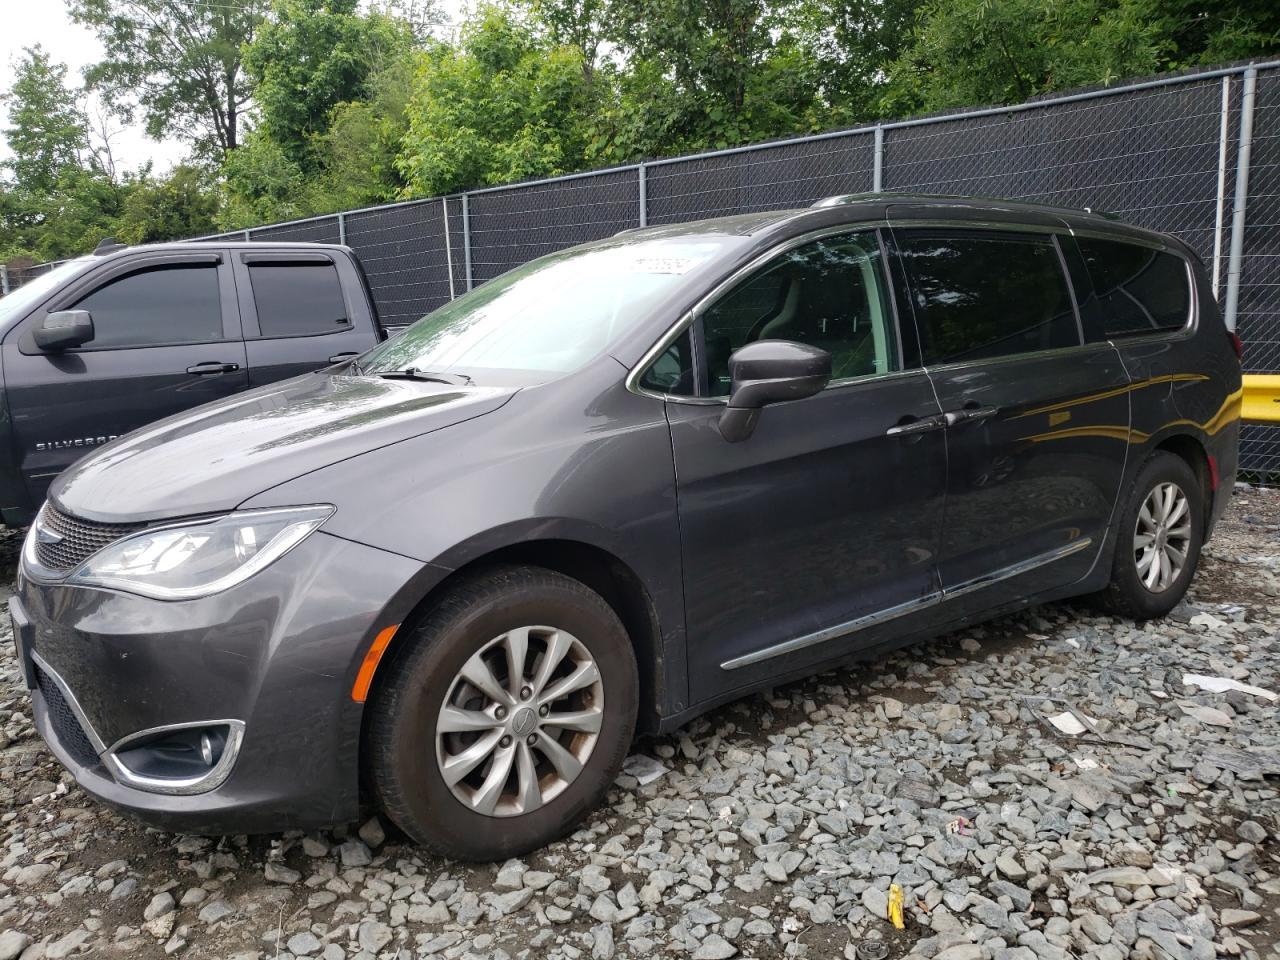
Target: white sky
(46,22)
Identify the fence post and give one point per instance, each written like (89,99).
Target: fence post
(466,238)
(644,196)
(248,235)
(448,244)
(342,229)
(1236,257)
(877,166)
(1222,185)
(4,279)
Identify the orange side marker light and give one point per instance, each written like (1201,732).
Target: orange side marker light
(364,679)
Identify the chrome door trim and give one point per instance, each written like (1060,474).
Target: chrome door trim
(1016,569)
(831,633)
(902,609)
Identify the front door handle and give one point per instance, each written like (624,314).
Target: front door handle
(212,366)
(969,414)
(909,427)
(339,357)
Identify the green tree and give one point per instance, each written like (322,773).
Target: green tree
(312,55)
(182,203)
(712,74)
(47,131)
(178,61)
(506,104)
(972,52)
(1216,31)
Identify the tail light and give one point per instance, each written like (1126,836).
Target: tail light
(1236,344)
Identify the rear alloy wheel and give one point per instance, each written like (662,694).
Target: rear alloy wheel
(1158,540)
(500,719)
(1162,536)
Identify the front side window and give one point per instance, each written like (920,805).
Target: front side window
(828,293)
(977,297)
(172,304)
(1136,289)
(298,299)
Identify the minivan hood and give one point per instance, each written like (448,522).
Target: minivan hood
(215,457)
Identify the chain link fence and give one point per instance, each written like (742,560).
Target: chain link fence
(1162,153)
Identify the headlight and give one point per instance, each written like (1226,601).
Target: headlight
(189,560)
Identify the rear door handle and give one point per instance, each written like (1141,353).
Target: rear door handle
(339,357)
(212,366)
(922,425)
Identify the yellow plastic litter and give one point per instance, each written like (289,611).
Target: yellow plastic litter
(895,906)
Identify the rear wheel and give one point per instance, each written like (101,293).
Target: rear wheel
(505,715)
(1158,541)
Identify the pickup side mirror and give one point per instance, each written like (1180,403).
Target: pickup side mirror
(770,371)
(63,329)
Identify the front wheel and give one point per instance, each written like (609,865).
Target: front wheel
(1158,540)
(505,715)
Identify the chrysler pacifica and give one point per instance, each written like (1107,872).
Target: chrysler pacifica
(615,487)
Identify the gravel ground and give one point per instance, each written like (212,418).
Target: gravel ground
(780,822)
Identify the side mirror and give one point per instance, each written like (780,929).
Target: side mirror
(770,371)
(63,329)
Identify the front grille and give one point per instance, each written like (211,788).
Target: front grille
(63,720)
(81,539)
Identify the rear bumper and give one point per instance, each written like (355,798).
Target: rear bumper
(275,655)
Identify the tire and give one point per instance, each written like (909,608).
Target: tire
(413,736)
(1128,594)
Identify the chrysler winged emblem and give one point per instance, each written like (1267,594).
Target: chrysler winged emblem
(45,535)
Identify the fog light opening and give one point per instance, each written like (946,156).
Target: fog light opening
(189,758)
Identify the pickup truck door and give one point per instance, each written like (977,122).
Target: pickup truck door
(303,310)
(166,338)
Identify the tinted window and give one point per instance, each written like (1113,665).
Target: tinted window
(1136,289)
(672,371)
(977,297)
(828,293)
(163,305)
(297,299)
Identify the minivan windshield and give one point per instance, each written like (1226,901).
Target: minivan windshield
(546,318)
(16,304)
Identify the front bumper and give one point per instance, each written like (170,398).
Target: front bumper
(275,655)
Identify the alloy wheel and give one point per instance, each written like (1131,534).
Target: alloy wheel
(1162,536)
(519,721)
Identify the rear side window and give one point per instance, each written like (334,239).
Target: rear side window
(298,299)
(177,304)
(978,297)
(1136,289)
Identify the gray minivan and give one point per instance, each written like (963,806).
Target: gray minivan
(613,488)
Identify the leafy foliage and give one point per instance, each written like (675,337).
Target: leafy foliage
(178,61)
(298,107)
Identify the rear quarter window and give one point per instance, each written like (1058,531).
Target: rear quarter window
(1136,289)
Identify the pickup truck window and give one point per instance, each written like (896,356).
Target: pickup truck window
(298,299)
(174,304)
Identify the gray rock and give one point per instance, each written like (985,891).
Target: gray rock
(12,943)
(715,947)
(304,944)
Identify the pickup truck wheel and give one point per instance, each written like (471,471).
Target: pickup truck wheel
(1158,540)
(505,716)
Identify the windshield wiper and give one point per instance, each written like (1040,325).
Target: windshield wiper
(413,373)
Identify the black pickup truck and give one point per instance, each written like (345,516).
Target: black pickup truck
(106,343)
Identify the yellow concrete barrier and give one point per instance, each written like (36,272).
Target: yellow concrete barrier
(1261,398)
